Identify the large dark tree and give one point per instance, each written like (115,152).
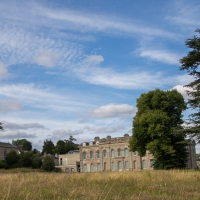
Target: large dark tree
(157,128)
(64,146)
(26,144)
(48,147)
(191,63)
(48,164)
(1,126)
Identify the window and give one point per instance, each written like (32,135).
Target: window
(84,155)
(151,163)
(113,166)
(5,153)
(92,167)
(104,154)
(126,152)
(98,167)
(144,164)
(91,143)
(112,153)
(84,144)
(91,154)
(119,152)
(126,165)
(60,161)
(134,153)
(98,154)
(85,168)
(120,166)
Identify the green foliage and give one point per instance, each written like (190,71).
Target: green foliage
(26,144)
(157,128)
(3,164)
(48,147)
(12,159)
(48,164)
(25,159)
(64,146)
(36,162)
(191,63)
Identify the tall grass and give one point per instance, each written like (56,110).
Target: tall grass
(109,185)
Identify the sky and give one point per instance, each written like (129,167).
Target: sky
(77,67)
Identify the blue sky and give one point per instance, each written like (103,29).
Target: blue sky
(77,67)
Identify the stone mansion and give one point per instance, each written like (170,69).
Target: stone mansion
(112,154)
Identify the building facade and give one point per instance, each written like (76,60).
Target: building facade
(5,148)
(69,162)
(112,154)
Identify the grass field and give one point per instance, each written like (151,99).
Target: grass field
(109,185)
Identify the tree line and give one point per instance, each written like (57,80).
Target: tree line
(32,158)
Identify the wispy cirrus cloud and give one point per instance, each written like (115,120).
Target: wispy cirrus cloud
(185,13)
(97,75)
(160,55)
(40,97)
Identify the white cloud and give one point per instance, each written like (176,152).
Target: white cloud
(9,125)
(8,106)
(47,58)
(3,71)
(125,80)
(94,59)
(15,135)
(66,132)
(182,90)
(113,110)
(102,129)
(160,55)
(185,13)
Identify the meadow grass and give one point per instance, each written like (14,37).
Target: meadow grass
(174,184)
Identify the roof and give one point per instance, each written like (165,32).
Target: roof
(7,145)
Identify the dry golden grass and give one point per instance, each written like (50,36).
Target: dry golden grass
(109,185)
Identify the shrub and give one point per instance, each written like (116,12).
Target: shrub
(48,164)
(3,164)
(36,162)
(12,159)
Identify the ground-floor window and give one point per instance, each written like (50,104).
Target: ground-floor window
(85,168)
(60,161)
(104,166)
(92,167)
(113,166)
(98,167)
(144,164)
(126,165)
(134,164)
(119,165)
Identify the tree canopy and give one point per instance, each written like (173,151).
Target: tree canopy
(26,144)
(157,128)
(191,63)
(48,147)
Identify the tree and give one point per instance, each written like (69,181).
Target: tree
(157,128)
(25,159)
(36,162)
(26,144)
(61,147)
(48,147)
(48,164)
(191,63)
(12,159)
